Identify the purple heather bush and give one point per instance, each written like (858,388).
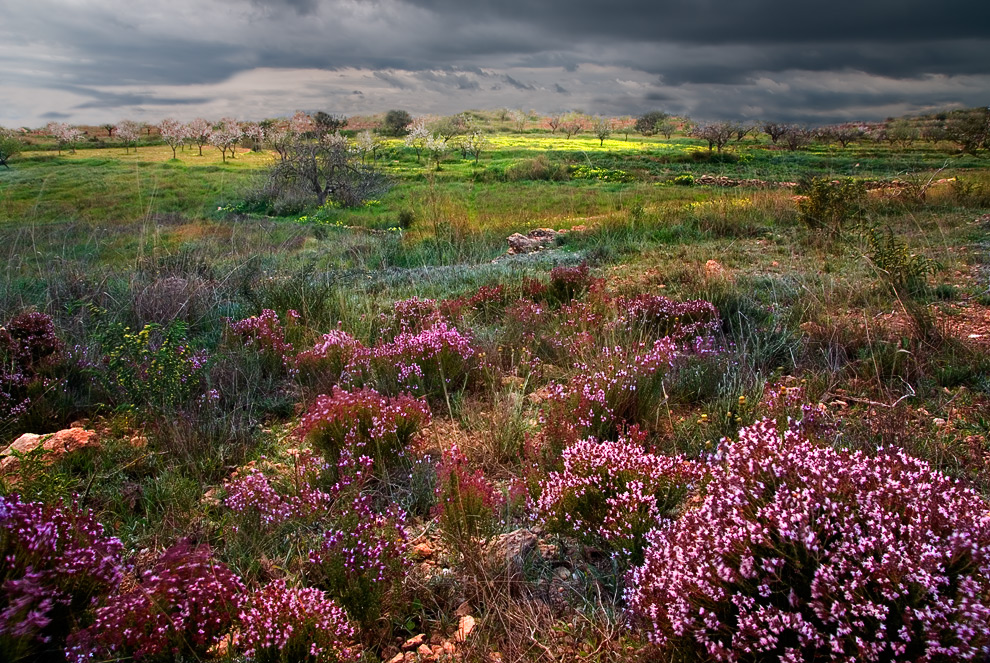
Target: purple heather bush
(324,366)
(180,607)
(29,347)
(363,423)
(800,552)
(263,502)
(661,316)
(620,386)
(362,559)
(266,335)
(468,505)
(57,563)
(611,494)
(432,363)
(282,624)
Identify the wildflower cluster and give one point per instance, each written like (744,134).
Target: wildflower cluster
(485,304)
(613,493)
(415,314)
(57,562)
(661,316)
(282,624)
(362,560)
(28,345)
(430,362)
(624,385)
(266,335)
(363,422)
(468,505)
(268,502)
(180,607)
(154,369)
(799,552)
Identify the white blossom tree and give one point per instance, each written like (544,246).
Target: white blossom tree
(225,136)
(128,131)
(437,147)
(199,132)
(368,143)
(416,138)
(476,143)
(173,132)
(65,135)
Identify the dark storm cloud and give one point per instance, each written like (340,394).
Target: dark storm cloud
(710,58)
(738,21)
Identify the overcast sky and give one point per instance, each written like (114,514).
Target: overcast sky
(95,61)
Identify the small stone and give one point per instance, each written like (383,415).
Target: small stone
(464,628)
(938,421)
(562,572)
(425,652)
(414,642)
(398,658)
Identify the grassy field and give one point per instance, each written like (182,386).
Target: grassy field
(236,365)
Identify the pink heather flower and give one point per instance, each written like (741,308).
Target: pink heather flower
(181,606)
(802,552)
(613,493)
(363,422)
(285,623)
(57,561)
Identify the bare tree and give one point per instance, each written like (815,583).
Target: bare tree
(572,124)
(324,171)
(775,130)
(797,137)
(718,134)
(476,143)
(603,129)
(553,123)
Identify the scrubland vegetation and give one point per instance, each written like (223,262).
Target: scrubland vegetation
(736,410)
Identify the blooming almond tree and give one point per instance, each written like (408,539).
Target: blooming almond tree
(417,137)
(225,136)
(64,134)
(173,133)
(128,132)
(199,132)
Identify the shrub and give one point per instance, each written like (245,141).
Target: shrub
(799,552)
(611,494)
(57,563)
(622,385)
(684,179)
(467,504)
(566,283)
(282,624)
(902,269)
(431,363)
(830,203)
(363,422)
(538,168)
(322,367)
(180,607)
(153,371)
(362,560)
